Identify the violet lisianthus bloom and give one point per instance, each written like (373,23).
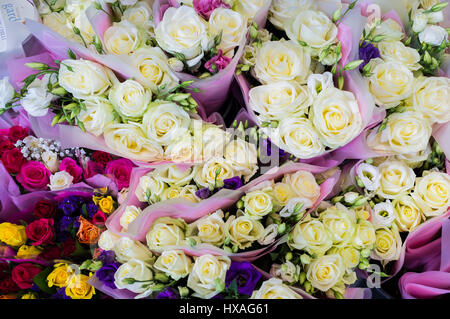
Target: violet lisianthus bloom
(245,276)
(206,7)
(107,257)
(367,52)
(106,274)
(203,193)
(232,183)
(168,293)
(217,62)
(71,205)
(61,294)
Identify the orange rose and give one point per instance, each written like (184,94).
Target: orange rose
(88,233)
(8,297)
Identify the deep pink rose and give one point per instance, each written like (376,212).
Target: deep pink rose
(94,168)
(41,231)
(99,218)
(70,166)
(120,171)
(23,275)
(217,63)
(34,176)
(206,7)
(13,160)
(17,133)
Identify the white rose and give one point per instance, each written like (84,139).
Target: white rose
(6,92)
(81,21)
(122,38)
(249,8)
(60,180)
(129,215)
(388,244)
(209,229)
(213,171)
(282,61)
(175,175)
(164,122)
(213,140)
(433,35)
(407,214)
(51,161)
(383,214)
(85,78)
(140,15)
(125,249)
(336,116)
(282,193)
(406,132)
(148,185)
(131,142)
(280,100)
(396,179)
(134,269)
(432,193)
(59,22)
(431,97)
(174,263)
(232,25)
(396,51)
(284,10)
(325,272)
(165,232)
(369,175)
(97,116)
(107,240)
(130,99)
(258,204)
(243,231)
(183,31)
(274,289)
(188,192)
(319,82)
(340,223)
(415,159)
(312,27)
(364,235)
(390,30)
(312,236)
(184,149)
(207,269)
(303,184)
(153,65)
(243,156)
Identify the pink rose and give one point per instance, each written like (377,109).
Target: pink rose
(70,166)
(206,7)
(34,176)
(217,63)
(120,171)
(94,168)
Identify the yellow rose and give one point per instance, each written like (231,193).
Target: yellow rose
(209,229)
(60,275)
(28,252)
(258,204)
(122,38)
(29,295)
(396,178)
(432,193)
(275,289)
(174,263)
(78,287)
(13,235)
(166,231)
(310,235)
(325,272)
(243,231)
(431,98)
(106,205)
(396,51)
(407,214)
(388,244)
(364,235)
(304,185)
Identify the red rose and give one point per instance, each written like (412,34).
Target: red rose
(17,133)
(8,285)
(94,168)
(34,176)
(99,218)
(70,166)
(40,231)
(3,270)
(44,209)
(120,171)
(68,247)
(24,273)
(13,160)
(6,145)
(51,253)
(101,157)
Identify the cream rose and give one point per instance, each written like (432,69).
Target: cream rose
(130,99)
(184,149)
(312,236)
(388,244)
(129,215)
(281,61)
(213,139)
(243,231)
(258,203)
(140,15)
(171,192)
(282,193)
(51,161)
(282,11)
(304,185)
(390,30)
(149,189)
(280,100)
(364,235)
(243,156)
(107,240)
(274,289)
(183,31)
(122,38)
(350,256)
(396,178)
(312,27)
(431,98)
(59,22)
(232,25)
(166,231)
(125,249)
(85,79)
(432,193)
(340,222)
(174,263)
(396,51)
(209,229)
(97,115)
(130,141)
(390,83)
(407,214)
(249,8)
(60,180)
(325,272)
(175,175)
(213,171)
(336,116)
(188,192)
(134,269)
(207,269)
(164,122)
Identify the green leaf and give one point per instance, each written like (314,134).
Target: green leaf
(71,54)
(41,281)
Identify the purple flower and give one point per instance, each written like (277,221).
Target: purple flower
(203,193)
(107,257)
(91,209)
(206,7)
(245,276)
(106,274)
(217,62)
(367,52)
(71,205)
(61,294)
(232,183)
(65,223)
(168,293)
